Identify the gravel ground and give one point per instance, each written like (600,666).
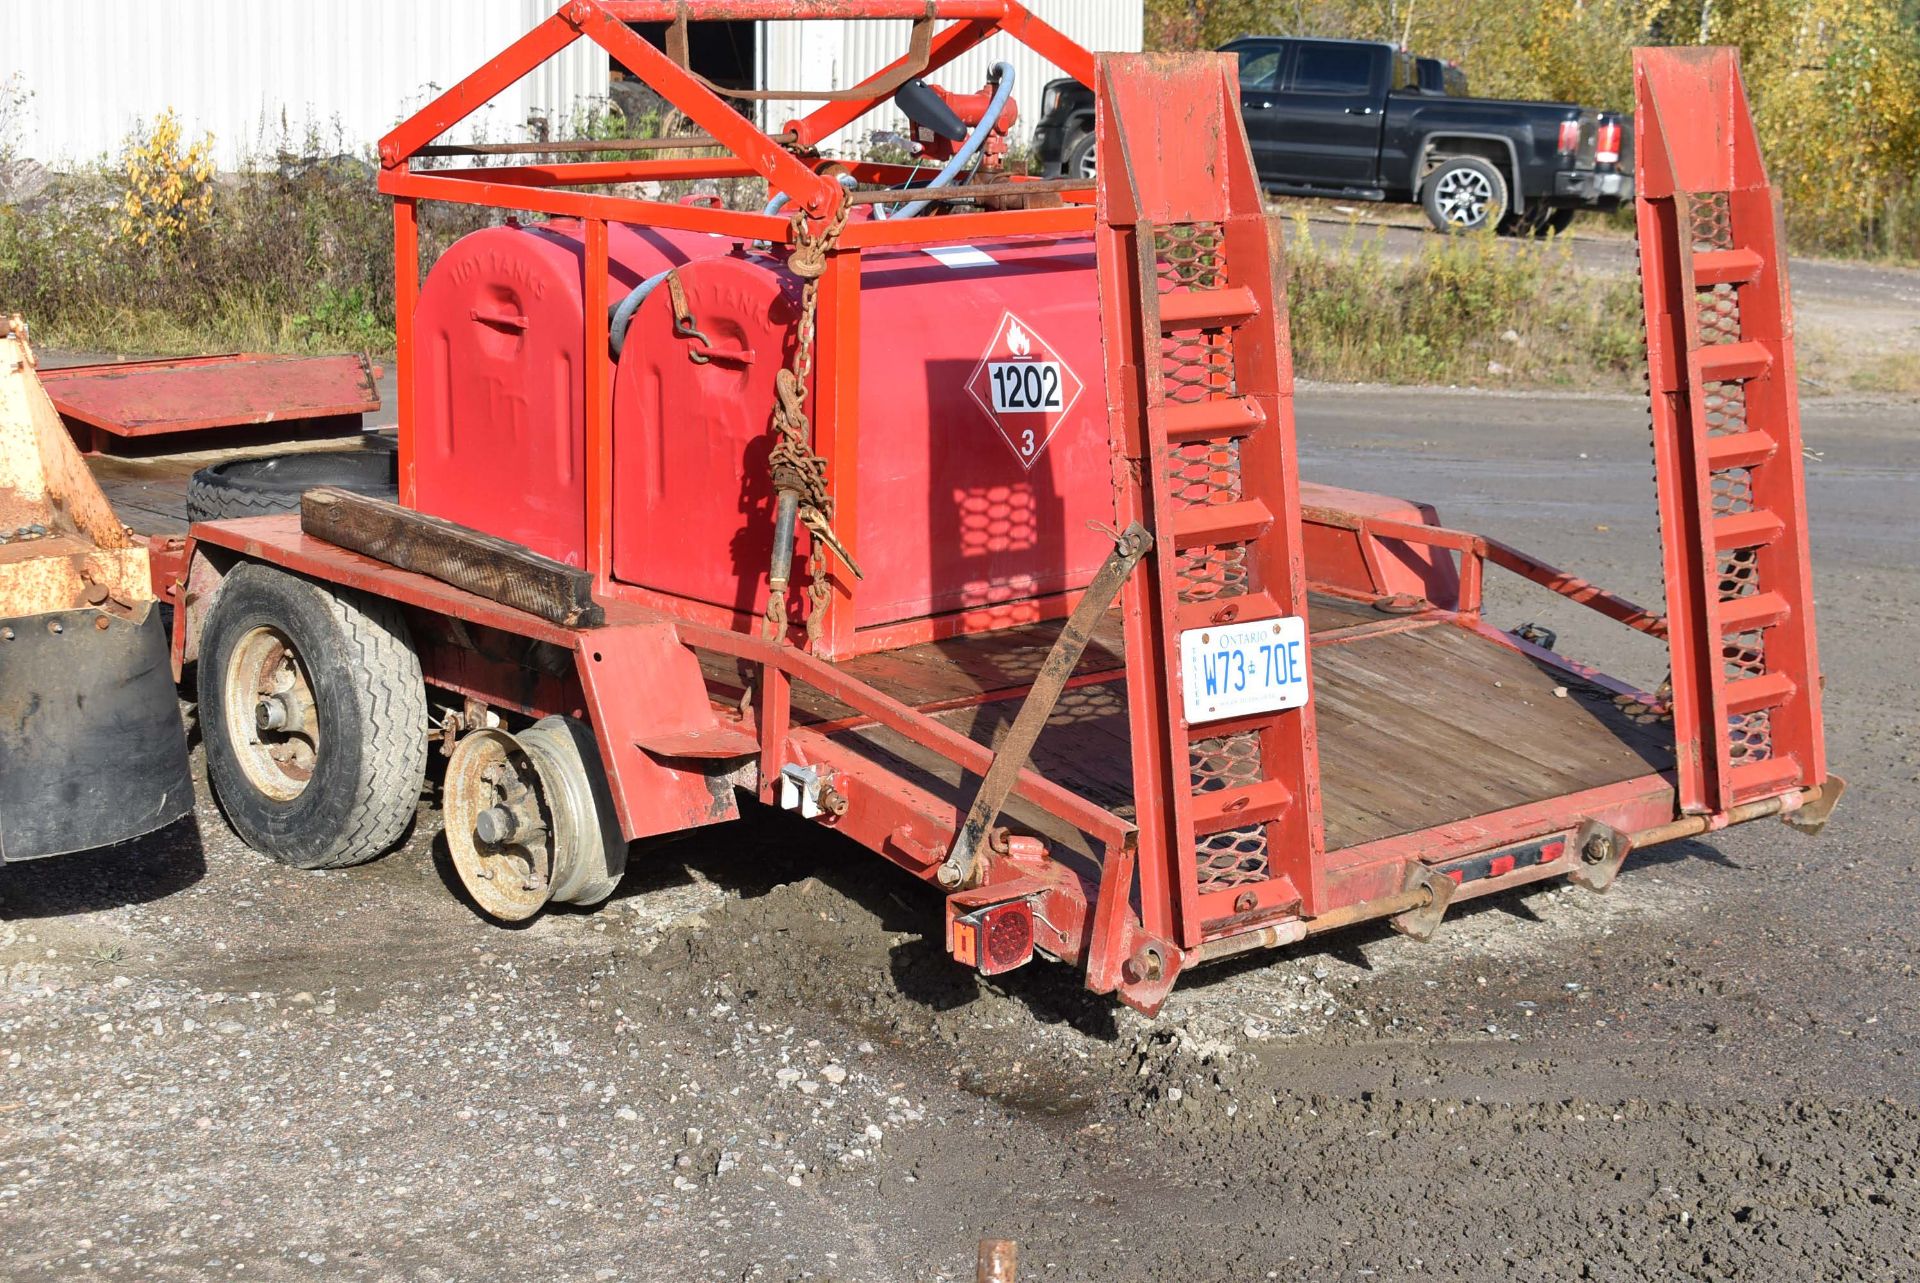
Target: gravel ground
(756,1063)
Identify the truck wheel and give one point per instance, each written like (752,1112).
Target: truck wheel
(1080,161)
(258,487)
(1537,223)
(1465,194)
(314,715)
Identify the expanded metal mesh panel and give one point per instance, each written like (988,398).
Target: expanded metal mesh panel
(1205,472)
(1196,365)
(1710,221)
(1720,315)
(1726,406)
(1212,573)
(1190,256)
(1737,570)
(1237,856)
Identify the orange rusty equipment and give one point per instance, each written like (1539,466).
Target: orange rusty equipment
(91,747)
(1076,646)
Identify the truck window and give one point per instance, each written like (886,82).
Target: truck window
(1259,67)
(1332,69)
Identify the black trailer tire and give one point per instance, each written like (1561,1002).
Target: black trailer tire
(1465,194)
(1080,161)
(260,487)
(337,784)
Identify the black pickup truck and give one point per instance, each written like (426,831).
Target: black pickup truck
(1362,121)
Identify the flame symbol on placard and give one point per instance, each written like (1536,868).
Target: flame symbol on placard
(1017,339)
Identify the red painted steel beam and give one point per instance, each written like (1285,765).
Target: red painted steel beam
(817,195)
(570,204)
(597,173)
(800,10)
(493,78)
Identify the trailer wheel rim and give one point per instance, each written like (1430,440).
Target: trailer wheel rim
(272,718)
(500,825)
(1464,196)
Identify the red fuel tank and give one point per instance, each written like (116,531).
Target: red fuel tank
(500,394)
(982,454)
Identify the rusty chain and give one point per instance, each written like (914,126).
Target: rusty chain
(795,467)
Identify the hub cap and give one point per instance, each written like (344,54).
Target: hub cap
(1464,197)
(271,718)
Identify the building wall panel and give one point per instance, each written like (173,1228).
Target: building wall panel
(253,73)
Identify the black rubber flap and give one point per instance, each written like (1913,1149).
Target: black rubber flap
(92,751)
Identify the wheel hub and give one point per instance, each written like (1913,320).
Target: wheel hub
(1464,197)
(271,714)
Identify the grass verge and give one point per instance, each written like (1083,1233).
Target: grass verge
(1463,309)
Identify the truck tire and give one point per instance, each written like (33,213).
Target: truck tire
(1080,161)
(259,487)
(1465,194)
(314,716)
(1537,223)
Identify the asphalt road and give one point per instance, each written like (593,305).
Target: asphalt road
(755,1063)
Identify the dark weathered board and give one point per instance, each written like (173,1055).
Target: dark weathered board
(468,559)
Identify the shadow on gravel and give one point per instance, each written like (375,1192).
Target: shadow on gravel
(852,931)
(135,872)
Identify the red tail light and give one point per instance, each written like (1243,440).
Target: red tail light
(993,940)
(1606,147)
(1569,137)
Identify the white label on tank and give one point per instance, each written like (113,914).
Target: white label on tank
(959,256)
(1024,388)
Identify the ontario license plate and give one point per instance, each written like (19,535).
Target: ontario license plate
(1242,669)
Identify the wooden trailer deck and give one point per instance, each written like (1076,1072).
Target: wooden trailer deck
(1421,722)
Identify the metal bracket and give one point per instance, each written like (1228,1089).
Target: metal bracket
(1423,919)
(1601,850)
(1816,811)
(810,791)
(963,864)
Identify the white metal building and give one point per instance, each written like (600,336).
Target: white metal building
(251,73)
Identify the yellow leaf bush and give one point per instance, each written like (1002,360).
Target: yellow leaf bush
(168,188)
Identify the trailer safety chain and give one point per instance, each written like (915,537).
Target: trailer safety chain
(799,474)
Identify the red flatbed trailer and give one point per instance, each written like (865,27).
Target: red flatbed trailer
(1076,645)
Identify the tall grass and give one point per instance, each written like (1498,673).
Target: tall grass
(293,253)
(296,255)
(1462,309)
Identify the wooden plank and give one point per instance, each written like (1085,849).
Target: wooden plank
(508,573)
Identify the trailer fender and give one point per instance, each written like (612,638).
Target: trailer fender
(191,593)
(660,739)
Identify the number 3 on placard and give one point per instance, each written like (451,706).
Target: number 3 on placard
(1027,443)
